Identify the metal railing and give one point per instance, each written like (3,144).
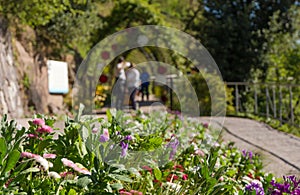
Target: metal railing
(272,100)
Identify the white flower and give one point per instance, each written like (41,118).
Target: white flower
(174,186)
(19,127)
(43,162)
(54,175)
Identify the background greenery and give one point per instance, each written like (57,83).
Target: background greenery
(249,40)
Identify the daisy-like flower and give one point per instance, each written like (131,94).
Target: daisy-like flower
(49,156)
(38,121)
(74,166)
(45,129)
(44,163)
(54,175)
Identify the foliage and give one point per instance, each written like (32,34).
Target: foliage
(229,31)
(89,157)
(204,94)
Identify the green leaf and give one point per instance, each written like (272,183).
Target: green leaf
(120,177)
(12,160)
(117,186)
(109,115)
(3,150)
(84,181)
(30,170)
(157,174)
(72,192)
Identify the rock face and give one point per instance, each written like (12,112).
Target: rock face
(10,97)
(24,74)
(36,71)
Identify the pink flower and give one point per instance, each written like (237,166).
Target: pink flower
(38,121)
(105,132)
(199,152)
(95,130)
(30,135)
(68,163)
(221,178)
(65,174)
(28,155)
(37,158)
(83,171)
(71,164)
(125,193)
(135,192)
(185,177)
(45,129)
(49,156)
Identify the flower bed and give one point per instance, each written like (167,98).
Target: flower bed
(137,154)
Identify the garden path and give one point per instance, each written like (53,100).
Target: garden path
(280,151)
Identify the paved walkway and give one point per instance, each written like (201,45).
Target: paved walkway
(280,151)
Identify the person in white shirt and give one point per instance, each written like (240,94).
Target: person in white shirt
(120,82)
(133,83)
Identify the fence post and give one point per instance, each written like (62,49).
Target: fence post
(267,102)
(291,104)
(274,101)
(236,98)
(280,105)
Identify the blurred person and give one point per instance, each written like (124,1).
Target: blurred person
(120,83)
(133,83)
(145,79)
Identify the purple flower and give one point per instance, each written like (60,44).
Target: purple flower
(290,186)
(255,186)
(248,154)
(105,136)
(173,145)
(128,137)
(244,152)
(124,147)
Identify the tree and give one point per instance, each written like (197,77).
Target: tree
(229,32)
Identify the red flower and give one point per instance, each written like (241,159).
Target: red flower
(105,55)
(103,78)
(114,47)
(250,175)
(147,168)
(185,177)
(162,70)
(179,168)
(172,177)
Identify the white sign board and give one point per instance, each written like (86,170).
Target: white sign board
(58,77)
